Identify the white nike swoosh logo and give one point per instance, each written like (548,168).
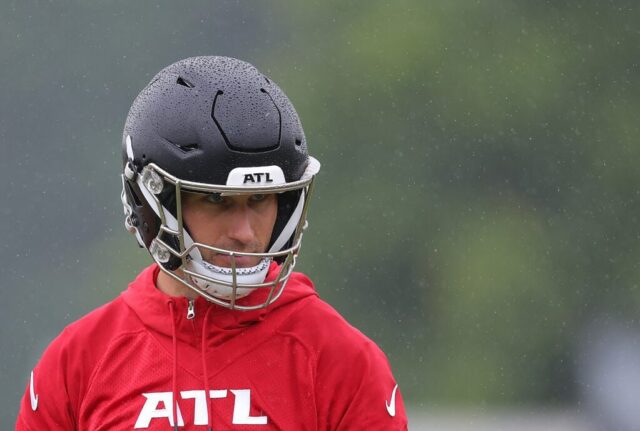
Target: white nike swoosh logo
(32,393)
(391,405)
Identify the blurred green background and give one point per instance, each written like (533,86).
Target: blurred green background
(478,202)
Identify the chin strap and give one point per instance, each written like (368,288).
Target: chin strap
(249,275)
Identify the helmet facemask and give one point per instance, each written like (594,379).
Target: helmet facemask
(178,255)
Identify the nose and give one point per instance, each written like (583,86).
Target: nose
(240,229)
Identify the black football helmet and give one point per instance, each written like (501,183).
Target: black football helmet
(215,125)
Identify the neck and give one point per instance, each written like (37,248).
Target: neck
(172,287)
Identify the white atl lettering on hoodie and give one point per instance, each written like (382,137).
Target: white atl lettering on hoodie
(159,405)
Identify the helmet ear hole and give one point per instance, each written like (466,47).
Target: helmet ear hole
(147,223)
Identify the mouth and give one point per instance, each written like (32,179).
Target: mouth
(224,260)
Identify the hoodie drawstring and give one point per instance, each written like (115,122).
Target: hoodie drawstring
(203,350)
(204,366)
(172,307)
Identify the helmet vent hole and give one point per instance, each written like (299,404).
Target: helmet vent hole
(184,82)
(183,147)
(188,147)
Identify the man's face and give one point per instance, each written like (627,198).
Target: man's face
(242,223)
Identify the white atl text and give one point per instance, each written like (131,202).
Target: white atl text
(159,405)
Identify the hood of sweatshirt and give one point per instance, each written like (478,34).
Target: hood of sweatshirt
(153,308)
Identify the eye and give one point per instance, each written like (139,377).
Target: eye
(215,198)
(259,197)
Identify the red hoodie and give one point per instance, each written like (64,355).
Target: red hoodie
(296,365)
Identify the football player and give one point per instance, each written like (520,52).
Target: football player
(219,332)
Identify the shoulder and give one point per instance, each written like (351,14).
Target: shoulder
(352,376)
(67,365)
(99,326)
(327,334)
(75,353)
(82,343)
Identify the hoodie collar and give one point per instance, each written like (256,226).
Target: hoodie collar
(152,306)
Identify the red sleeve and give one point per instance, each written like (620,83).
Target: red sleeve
(357,391)
(51,394)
